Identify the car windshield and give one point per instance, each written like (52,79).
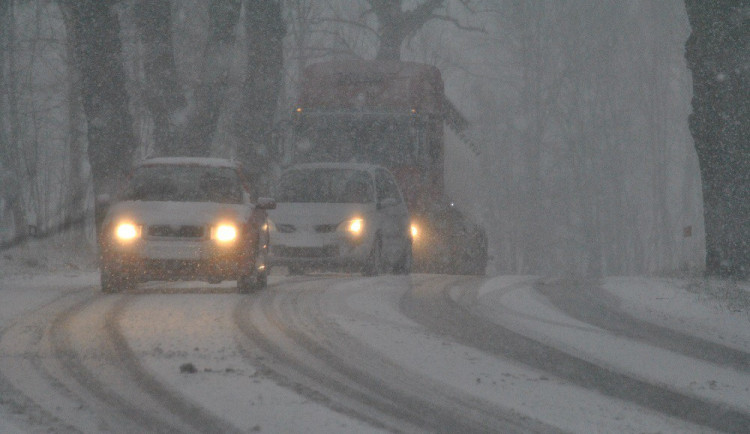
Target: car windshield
(326,186)
(182,183)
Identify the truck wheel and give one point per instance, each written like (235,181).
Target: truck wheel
(480,265)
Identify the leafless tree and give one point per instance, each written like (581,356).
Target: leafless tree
(9,133)
(98,56)
(717,55)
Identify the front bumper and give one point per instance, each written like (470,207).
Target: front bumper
(146,260)
(333,250)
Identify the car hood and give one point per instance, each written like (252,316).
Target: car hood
(177,213)
(299,214)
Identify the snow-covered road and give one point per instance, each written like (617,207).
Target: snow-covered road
(338,353)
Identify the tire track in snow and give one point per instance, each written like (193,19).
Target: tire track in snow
(91,366)
(67,366)
(586,301)
(178,406)
(438,311)
(288,332)
(23,379)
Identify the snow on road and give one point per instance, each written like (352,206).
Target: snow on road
(509,384)
(192,325)
(528,313)
(193,332)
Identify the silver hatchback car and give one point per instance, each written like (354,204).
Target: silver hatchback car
(340,216)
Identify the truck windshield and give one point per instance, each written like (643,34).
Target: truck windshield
(325,186)
(183,183)
(386,140)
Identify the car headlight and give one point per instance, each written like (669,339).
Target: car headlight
(127,231)
(353,227)
(224,233)
(414,231)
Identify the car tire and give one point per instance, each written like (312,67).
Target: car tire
(113,281)
(403,266)
(474,258)
(261,280)
(295,270)
(374,265)
(254,280)
(245,283)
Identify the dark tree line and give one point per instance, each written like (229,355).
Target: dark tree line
(95,34)
(718,54)
(98,56)
(185,123)
(397,24)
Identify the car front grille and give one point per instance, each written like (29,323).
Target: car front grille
(324,229)
(185,231)
(306,252)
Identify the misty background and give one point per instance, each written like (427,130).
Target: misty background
(577,160)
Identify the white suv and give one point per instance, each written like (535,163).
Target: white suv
(185,219)
(340,216)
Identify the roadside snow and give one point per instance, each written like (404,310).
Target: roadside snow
(226,384)
(223,382)
(528,313)
(20,293)
(716,310)
(503,382)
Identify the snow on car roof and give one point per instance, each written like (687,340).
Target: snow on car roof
(189,161)
(353,166)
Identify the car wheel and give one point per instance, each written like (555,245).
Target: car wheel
(245,283)
(113,281)
(295,270)
(374,265)
(403,266)
(255,279)
(261,280)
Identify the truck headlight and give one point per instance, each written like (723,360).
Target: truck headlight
(127,231)
(224,233)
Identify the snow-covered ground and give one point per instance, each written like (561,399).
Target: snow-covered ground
(368,309)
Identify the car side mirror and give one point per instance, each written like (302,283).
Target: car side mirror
(388,202)
(265,203)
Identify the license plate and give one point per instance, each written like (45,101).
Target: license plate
(176,250)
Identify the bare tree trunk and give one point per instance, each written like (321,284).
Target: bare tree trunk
(111,142)
(9,149)
(195,135)
(163,95)
(396,24)
(717,55)
(77,185)
(254,123)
